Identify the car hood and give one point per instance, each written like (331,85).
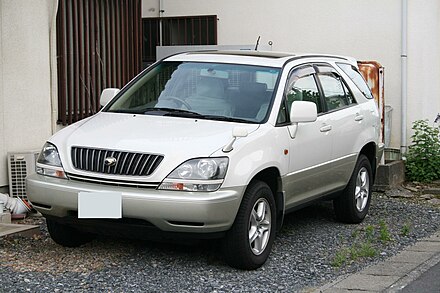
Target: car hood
(177,139)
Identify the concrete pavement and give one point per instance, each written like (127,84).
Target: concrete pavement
(394,274)
(19,229)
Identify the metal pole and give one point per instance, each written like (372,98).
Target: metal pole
(404,77)
(161,11)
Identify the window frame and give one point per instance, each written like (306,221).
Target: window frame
(284,105)
(352,80)
(331,70)
(318,67)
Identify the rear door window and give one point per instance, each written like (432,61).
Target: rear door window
(336,94)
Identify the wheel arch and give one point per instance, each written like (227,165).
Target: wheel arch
(369,150)
(271,176)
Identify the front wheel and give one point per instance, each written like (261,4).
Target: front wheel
(248,243)
(352,206)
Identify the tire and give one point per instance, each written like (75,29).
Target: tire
(256,216)
(66,235)
(352,206)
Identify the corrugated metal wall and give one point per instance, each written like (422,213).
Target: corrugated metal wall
(99,45)
(181,30)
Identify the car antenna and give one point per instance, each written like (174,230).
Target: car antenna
(258,42)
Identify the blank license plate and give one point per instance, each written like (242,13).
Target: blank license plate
(106,205)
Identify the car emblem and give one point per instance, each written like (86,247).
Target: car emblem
(110,161)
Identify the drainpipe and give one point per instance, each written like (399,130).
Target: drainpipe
(53,66)
(161,11)
(404,77)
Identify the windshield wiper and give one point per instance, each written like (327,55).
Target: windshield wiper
(229,119)
(126,111)
(174,112)
(191,114)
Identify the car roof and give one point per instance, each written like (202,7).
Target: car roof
(260,58)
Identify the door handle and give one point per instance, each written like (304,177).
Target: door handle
(359,117)
(325,128)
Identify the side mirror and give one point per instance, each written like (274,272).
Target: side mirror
(107,95)
(239,132)
(302,111)
(236,132)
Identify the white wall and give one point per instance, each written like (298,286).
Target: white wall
(3,169)
(364,29)
(25,108)
(423,60)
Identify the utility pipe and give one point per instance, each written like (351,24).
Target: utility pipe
(161,11)
(404,77)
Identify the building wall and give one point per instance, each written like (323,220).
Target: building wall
(3,169)
(366,30)
(423,59)
(25,108)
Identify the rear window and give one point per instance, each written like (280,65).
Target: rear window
(357,78)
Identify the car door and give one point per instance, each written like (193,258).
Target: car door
(310,148)
(345,117)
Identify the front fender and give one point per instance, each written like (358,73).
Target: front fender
(262,149)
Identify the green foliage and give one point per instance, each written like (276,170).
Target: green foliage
(340,258)
(361,248)
(423,157)
(369,231)
(384,234)
(366,250)
(366,243)
(405,230)
(354,252)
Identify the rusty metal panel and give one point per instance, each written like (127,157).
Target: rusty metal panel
(373,73)
(98,46)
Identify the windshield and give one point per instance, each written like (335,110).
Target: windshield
(230,92)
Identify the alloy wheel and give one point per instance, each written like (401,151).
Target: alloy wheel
(259,226)
(362,190)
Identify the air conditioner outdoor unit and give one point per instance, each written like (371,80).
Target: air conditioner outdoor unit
(20,165)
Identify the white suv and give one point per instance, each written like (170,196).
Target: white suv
(214,144)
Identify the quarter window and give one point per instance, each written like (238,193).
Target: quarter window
(357,79)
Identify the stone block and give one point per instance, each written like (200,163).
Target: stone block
(392,174)
(5,217)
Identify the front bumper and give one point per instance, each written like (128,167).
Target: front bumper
(172,211)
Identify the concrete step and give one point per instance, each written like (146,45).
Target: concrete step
(19,229)
(390,175)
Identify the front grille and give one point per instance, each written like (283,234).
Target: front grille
(111,182)
(127,163)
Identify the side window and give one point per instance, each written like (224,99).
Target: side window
(357,79)
(336,94)
(303,89)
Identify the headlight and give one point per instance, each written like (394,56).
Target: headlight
(49,162)
(205,174)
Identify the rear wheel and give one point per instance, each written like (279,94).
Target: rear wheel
(248,243)
(66,235)
(352,206)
